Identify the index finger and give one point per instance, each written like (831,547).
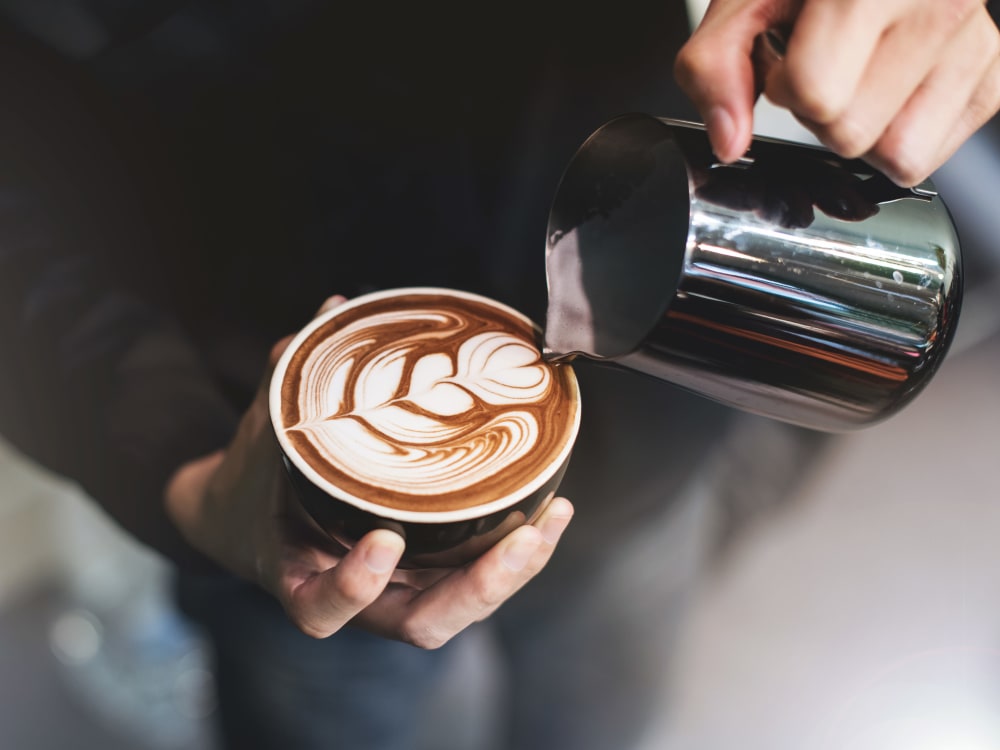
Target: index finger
(715,69)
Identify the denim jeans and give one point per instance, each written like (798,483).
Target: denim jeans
(582,651)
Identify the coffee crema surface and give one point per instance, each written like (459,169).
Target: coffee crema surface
(427,402)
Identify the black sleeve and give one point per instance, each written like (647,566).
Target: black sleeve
(97,382)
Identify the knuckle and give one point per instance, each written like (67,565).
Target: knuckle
(692,62)
(849,138)
(812,94)
(534,568)
(904,165)
(318,633)
(422,634)
(310,626)
(907,175)
(489,591)
(353,593)
(955,11)
(942,20)
(489,597)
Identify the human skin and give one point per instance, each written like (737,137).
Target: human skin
(899,83)
(235,506)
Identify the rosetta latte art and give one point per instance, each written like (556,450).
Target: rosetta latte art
(423,403)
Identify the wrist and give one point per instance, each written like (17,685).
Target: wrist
(185,495)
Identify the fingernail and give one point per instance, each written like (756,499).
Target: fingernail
(384,553)
(721,130)
(519,552)
(553,528)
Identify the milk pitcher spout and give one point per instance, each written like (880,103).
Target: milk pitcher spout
(793,283)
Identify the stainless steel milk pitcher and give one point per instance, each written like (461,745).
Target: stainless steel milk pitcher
(793,283)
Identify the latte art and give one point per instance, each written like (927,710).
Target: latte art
(424,402)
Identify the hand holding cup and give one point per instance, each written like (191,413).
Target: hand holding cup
(238,507)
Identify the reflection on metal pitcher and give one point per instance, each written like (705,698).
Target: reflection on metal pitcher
(793,283)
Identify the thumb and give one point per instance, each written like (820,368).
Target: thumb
(716,70)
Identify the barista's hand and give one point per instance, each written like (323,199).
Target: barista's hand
(236,507)
(901,83)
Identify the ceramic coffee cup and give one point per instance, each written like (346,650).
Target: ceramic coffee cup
(426,411)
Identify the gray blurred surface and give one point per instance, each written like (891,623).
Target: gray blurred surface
(36,709)
(865,613)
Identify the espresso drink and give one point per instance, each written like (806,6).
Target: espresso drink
(427,400)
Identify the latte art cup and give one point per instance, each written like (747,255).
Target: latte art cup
(426,411)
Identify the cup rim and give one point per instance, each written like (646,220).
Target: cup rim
(396,514)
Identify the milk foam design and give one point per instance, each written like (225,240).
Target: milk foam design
(437,408)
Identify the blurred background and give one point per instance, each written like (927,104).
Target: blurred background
(862,612)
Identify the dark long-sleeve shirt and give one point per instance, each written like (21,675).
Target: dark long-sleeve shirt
(181,184)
